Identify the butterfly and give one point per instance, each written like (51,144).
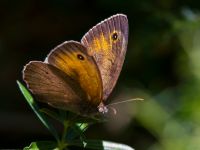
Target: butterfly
(79,76)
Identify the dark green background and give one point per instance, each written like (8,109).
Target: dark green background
(162,66)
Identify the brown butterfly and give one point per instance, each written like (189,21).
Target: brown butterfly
(79,76)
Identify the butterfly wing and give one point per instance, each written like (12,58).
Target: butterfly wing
(68,79)
(71,57)
(107,43)
(53,86)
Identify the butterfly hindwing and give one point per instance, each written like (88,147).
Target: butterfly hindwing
(51,85)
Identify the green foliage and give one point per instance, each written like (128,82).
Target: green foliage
(42,145)
(89,144)
(72,133)
(172,116)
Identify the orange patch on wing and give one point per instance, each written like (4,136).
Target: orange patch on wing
(82,70)
(101,44)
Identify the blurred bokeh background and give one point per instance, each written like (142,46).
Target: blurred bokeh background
(162,66)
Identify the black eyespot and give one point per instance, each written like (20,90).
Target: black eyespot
(80,57)
(115,36)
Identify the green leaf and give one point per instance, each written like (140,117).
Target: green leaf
(79,129)
(36,109)
(100,145)
(42,145)
(82,126)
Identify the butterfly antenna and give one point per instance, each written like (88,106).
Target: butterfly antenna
(125,101)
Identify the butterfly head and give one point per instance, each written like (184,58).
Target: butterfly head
(102,108)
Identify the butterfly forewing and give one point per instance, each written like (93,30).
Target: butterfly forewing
(107,43)
(72,58)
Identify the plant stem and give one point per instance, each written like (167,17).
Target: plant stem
(62,143)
